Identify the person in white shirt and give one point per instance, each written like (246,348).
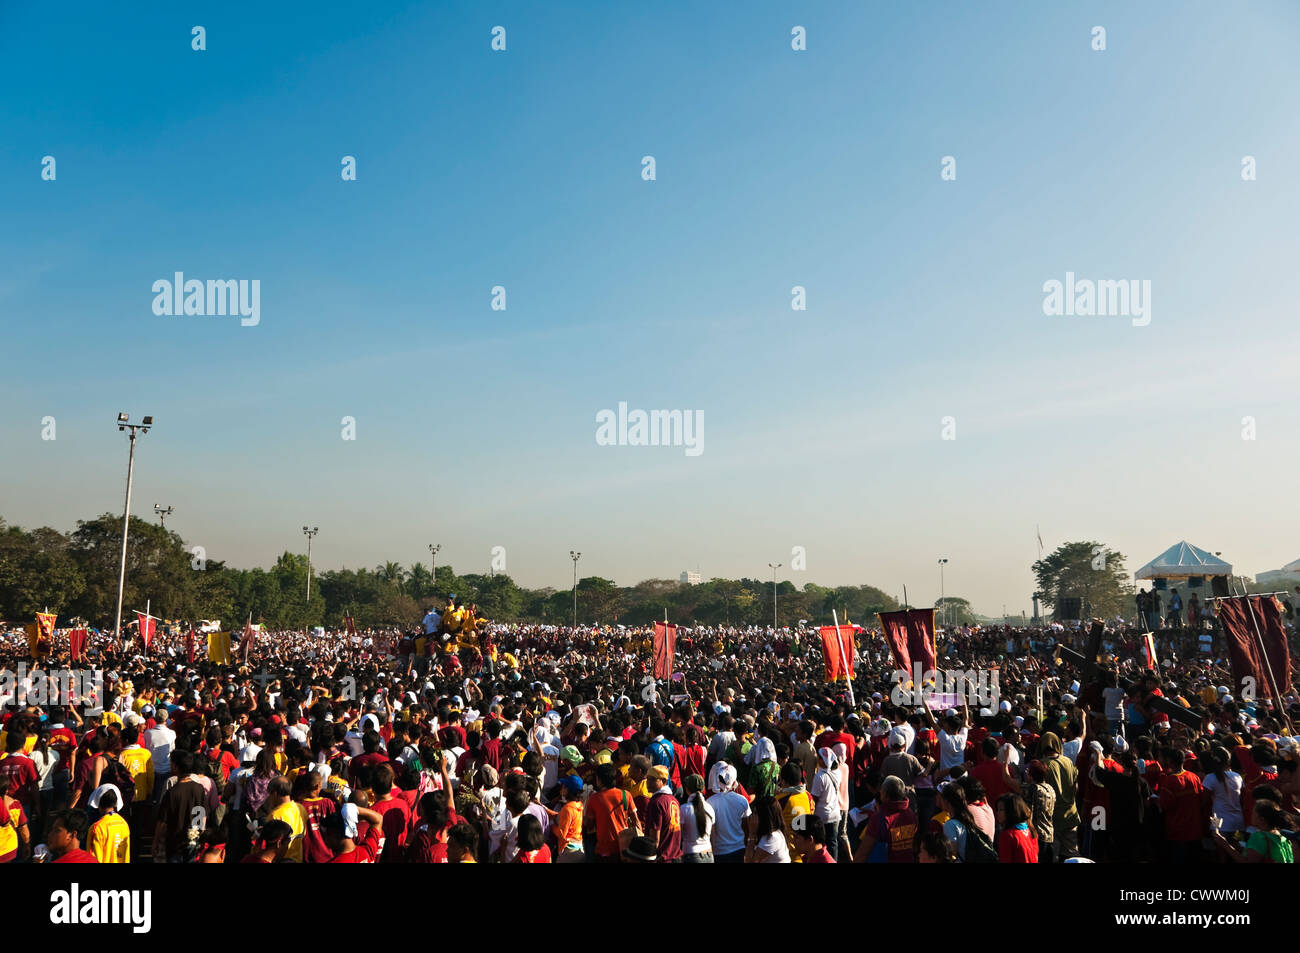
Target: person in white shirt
(729,812)
(825,792)
(952,742)
(697,823)
(1226,785)
(160,740)
(768,840)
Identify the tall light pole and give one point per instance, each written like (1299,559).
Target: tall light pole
(943,602)
(162,514)
(143,427)
(309,533)
(433,563)
(575,557)
(774,567)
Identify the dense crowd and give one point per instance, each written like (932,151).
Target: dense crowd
(469,742)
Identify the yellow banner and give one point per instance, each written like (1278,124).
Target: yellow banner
(219,647)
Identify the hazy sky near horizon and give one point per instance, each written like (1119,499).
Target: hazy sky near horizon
(819,168)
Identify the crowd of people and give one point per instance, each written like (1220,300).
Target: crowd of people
(464,741)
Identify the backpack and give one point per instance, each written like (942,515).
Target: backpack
(979,849)
(115,772)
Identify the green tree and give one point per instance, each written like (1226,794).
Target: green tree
(1087,571)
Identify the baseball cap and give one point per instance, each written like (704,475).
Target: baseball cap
(572,755)
(572,783)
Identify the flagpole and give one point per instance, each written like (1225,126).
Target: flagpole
(147,603)
(844,662)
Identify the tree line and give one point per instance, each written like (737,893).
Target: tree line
(76,575)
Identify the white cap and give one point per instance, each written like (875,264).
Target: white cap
(1067,699)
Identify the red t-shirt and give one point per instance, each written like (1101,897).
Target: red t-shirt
(990,774)
(76,857)
(366,852)
(1180,799)
(313,843)
(397,820)
(823,856)
(894,823)
(540,856)
(1017,847)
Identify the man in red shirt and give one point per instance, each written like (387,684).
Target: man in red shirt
(835,734)
(993,773)
(396,812)
(810,839)
(340,831)
(1183,800)
(66,835)
(24,779)
(663,818)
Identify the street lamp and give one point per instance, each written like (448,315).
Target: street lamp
(143,427)
(774,567)
(162,514)
(309,533)
(433,562)
(575,557)
(943,602)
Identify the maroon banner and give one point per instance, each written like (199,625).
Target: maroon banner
(665,649)
(76,643)
(910,634)
(189,648)
(1246,620)
(838,651)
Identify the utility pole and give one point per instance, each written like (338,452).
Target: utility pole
(309,533)
(163,513)
(774,567)
(575,557)
(143,427)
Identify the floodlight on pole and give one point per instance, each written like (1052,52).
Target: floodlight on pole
(142,427)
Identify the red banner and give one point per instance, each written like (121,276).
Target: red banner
(665,648)
(910,634)
(147,625)
(77,643)
(1246,620)
(350,624)
(189,648)
(838,651)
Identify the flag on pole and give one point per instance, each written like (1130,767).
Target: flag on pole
(350,625)
(910,633)
(838,651)
(1149,651)
(40,637)
(189,647)
(148,624)
(77,643)
(665,650)
(219,647)
(1256,642)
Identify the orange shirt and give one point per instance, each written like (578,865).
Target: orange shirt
(568,825)
(611,810)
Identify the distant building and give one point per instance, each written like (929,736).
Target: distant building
(690,578)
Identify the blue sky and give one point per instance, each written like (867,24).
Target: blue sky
(475,428)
